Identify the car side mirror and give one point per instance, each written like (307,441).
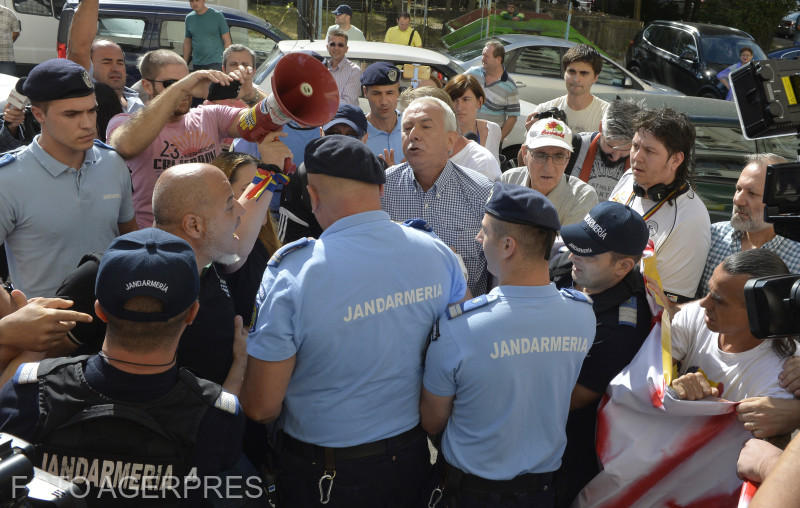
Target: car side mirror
(628,83)
(688,54)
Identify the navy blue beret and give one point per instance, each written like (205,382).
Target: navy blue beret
(522,205)
(343,157)
(56,79)
(380,73)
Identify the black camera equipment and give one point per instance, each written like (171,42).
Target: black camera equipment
(22,485)
(767,96)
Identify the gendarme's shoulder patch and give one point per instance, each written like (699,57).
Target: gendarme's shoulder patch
(99,143)
(628,312)
(458,309)
(27,373)
(418,224)
(227,402)
(7,159)
(281,253)
(576,295)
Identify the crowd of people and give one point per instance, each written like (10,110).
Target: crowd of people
(193,317)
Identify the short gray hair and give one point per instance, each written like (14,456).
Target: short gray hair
(764,159)
(450,124)
(618,119)
(235,48)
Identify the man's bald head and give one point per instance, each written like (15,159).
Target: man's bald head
(185,189)
(108,64)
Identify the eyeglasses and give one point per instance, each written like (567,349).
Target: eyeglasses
(622,146)
(337,44)
(166,83)
(558,158)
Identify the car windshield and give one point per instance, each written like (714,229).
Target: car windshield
(722,51)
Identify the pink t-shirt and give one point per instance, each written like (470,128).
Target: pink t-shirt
(197,137)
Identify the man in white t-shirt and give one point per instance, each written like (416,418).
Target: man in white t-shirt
(582,65)
(659,187)
(712,335)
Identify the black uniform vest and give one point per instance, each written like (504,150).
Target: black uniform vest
(123,451)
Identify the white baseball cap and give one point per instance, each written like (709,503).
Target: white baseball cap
(549,132)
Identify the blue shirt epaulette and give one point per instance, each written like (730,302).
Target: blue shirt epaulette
(27,373)
(628,312)
(455,310)
(227,402)
(418,224)
(7,159)
(576,295)
(276,258)
(99,143)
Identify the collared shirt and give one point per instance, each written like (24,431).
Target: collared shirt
(9,23)
(379,140)
(726,241)
(355,307)
(502,98)
(453,207)
(348,78)
(511,365)
(572,197)
(51,214)
(132,98)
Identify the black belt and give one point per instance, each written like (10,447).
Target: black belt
(458,480)
(325,454)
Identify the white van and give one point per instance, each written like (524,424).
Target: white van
(37,42)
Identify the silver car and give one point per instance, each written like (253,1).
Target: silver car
(534,63)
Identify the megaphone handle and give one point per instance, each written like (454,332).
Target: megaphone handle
(289,167)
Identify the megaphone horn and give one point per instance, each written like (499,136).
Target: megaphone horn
(303,91)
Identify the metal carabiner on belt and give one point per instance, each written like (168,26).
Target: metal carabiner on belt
(325,494)
(436,495)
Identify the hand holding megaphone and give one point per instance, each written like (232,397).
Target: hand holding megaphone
(303,91)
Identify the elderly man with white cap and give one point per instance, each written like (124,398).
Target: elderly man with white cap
(547,150)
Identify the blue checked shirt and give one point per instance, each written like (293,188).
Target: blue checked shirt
(453,207)
(726,241)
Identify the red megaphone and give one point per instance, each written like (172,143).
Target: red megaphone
(303,91)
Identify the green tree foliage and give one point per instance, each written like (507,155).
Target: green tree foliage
(759,18)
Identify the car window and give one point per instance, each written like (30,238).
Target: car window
(35,7)
(661,37)
(127,32)
(254,40)
(724,50)
(611,75)
(686,44)
(172,34)
(790,55)
(541,61)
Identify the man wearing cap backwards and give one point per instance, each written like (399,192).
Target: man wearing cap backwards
(168,131)
(338,341)
(547,150)
(295,217)
(503,364)
(605,249)
(659,186)
(147,288)
(429,186)
(65,194)
(343,13)
(380,82)
(604,156)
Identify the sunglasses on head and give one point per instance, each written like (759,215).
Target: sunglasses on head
(166,83)
(339,44)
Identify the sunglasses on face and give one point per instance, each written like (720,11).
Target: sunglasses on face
(336,44)
(166,83)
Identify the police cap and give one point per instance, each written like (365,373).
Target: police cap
(56,79)
(608,227)
(380,73)
(343,157)
(522,205)
(148,262)
(349,115)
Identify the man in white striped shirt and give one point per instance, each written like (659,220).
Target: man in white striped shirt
(346,73)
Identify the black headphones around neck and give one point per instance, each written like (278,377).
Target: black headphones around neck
(659,191)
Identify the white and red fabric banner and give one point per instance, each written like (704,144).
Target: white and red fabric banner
(658,451)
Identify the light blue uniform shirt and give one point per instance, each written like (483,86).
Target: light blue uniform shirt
(51,214)
(296,140)
(511,365)
(355,307)
(378,140)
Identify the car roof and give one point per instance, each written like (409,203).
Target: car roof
(704,28)
(175,6)
(370,50)
(514,39)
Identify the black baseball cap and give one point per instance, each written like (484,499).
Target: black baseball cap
(349,115)
(608,227)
